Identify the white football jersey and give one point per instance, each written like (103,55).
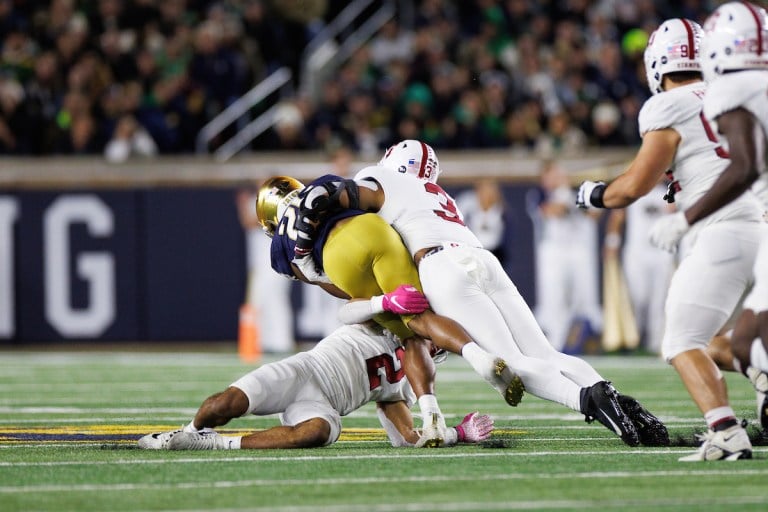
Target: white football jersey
(421,212)
(358,364)
(701,156)
(747,90)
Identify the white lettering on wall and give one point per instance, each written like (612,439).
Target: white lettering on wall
(9,212)
(96,268)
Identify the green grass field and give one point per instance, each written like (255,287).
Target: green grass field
(69,421)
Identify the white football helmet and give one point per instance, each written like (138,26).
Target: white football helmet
(412,157)
(735,37)
(672,47)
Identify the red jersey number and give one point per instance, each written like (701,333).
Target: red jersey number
(720,150)
(449,211)
(385,361)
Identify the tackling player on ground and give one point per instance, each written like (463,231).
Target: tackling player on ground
(312,390)
(716,259)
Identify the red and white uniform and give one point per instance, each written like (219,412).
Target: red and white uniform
(748,90)
(467,283)
(355,365)
(717,254)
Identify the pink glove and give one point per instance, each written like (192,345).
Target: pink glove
(405,300)
(475,427)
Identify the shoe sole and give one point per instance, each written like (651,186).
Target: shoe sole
(651,433)
(515,389)
(435,442)
(625,428)
(741,455)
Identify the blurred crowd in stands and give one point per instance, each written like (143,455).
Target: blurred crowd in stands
(141,77)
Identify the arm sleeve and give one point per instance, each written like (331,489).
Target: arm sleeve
(395,438)
(359,311)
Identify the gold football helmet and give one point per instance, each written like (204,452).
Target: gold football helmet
(274,195)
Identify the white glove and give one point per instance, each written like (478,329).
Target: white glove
(584,195)
(310,270)
(668,230)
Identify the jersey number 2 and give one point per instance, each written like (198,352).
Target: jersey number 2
(388,363)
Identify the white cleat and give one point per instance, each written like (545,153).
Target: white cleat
(433,432)
(158,440)
(760,382)
(208,440)
(729,444)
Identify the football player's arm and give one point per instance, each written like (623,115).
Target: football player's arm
(654,157)
(404,300)
(738,127)
(328,287)
(397,421)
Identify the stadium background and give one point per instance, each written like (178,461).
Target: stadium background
(146,246)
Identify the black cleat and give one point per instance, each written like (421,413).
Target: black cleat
(650,429)
(600,402)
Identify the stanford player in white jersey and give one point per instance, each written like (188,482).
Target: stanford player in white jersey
(716,258)
(312,390)
(467,283)
(735,63)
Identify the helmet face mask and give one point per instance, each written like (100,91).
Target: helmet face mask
(273,198)
(735,38)
(412,157)
(673,47)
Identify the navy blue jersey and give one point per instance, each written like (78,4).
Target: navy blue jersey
(284,240)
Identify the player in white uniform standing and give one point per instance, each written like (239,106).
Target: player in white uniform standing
(312,390)
(735,63)
(467,283)
(716,258)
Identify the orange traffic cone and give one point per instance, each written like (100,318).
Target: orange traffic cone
(249,337)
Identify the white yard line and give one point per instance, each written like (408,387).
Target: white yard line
(699,503)
(732,471)
(420,454)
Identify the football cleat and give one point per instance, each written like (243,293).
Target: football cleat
(762,409)
(507,382)
(433,433)
(208,440)
(760,382)
(600,402)
(650,429)
(158,440)
(729,444)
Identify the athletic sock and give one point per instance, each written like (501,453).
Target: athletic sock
(230,442)
(428,405)
(720,418)
(480,360)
